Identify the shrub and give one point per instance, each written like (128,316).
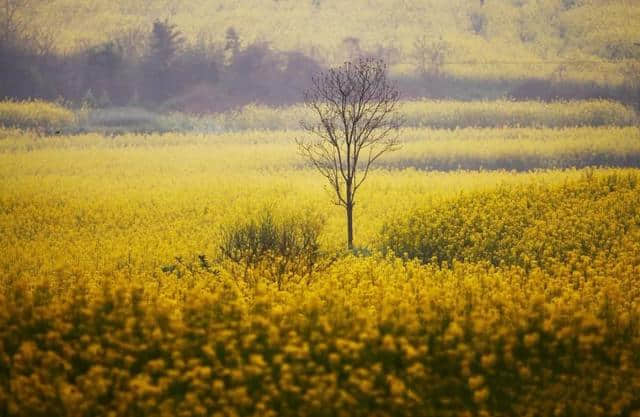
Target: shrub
(287,247)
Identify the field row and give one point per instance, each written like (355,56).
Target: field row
(423,149)
(457,114)
(433,114)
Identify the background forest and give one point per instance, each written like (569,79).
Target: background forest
(202,57)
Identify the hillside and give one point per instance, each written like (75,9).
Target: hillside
(583,40)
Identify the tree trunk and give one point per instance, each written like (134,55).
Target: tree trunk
(350,225)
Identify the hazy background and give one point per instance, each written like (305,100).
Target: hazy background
(209,56)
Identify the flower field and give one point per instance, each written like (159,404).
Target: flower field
(451,114)
(519,149)
(499,292)
(444,114)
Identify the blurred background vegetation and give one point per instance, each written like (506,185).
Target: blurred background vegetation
(212,56)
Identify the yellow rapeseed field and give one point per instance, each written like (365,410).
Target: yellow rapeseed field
(473,293)
(443,114)
(452,114)
(35,114)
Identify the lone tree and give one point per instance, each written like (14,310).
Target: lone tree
(356,121)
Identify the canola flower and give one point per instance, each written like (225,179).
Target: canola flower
(432,114)
(518,149)
(539,226)
(35,114)
(370,336)
(522,296)
(451,114)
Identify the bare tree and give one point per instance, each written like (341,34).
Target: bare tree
(429,56)
(12,19)
(9,20)
(357,121)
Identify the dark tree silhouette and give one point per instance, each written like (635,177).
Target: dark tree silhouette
(165,42)
(11,26)
(357,121)
(231,41)
(164,45)
(102,69)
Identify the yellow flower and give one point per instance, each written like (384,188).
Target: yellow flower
(396,386)
(476,382)
(531,339)
(488,361)
(480,396)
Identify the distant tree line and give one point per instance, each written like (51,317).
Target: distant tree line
(158,69)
